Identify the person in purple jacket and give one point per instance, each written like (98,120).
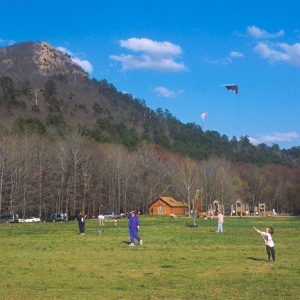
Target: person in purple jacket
(134,226)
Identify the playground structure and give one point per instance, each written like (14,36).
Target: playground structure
(214,208)
(260,210)
(240,209)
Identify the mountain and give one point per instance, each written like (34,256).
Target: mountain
(42,90)
(40,82)
(30,61)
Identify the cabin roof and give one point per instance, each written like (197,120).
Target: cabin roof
(171,202)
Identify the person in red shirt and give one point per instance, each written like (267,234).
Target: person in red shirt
(220,222)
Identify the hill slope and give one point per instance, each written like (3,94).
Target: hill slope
(42,89)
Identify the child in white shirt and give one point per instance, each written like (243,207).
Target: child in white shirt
(270,246)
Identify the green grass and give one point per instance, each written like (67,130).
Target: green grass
(51,261)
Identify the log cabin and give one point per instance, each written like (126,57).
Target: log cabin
(167,205)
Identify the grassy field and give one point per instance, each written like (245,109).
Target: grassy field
(51,261)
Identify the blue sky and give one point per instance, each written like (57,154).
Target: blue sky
(177,54)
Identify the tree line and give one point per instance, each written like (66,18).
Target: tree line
(40,175)
(126,120)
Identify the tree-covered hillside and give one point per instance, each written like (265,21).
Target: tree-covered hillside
(69,143)
(122,119)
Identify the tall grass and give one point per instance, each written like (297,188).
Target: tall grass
(51,261)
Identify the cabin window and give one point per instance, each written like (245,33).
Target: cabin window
(160,210)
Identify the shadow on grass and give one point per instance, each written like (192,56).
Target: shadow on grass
(257,259)
(191,225)
(126,242)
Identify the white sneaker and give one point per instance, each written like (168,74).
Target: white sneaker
(141,242)
(131,244)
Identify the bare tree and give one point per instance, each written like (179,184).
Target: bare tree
(149,177)
(3,167)
(188,176)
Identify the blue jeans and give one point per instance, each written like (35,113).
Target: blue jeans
(220,227)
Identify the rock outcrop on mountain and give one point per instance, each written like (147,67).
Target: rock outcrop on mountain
(29,60)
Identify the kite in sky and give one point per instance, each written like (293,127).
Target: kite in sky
(232,87)
(204,115)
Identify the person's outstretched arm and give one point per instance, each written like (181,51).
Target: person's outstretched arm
(256,229)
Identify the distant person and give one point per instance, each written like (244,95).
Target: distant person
(81,222)
(270,246)
(134,226)
(220,222)
(101,219)
(210,214)
(115,221)
(274,212)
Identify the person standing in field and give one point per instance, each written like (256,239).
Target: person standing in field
(101,219)
(81,222)
(270,246)
(134,226)
(220,222)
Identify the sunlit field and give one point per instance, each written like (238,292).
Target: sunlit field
(51,261)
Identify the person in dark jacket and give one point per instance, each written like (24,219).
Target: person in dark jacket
(134,226)
(81,222)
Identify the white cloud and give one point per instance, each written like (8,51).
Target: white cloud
(151,47)
(84,64)
(280,52)
(225,60)
(276,137)
(164,92)
(262,34)
(236,54)
(129,62)
(218,62)
(65,50)
(6,42)
(159,56)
